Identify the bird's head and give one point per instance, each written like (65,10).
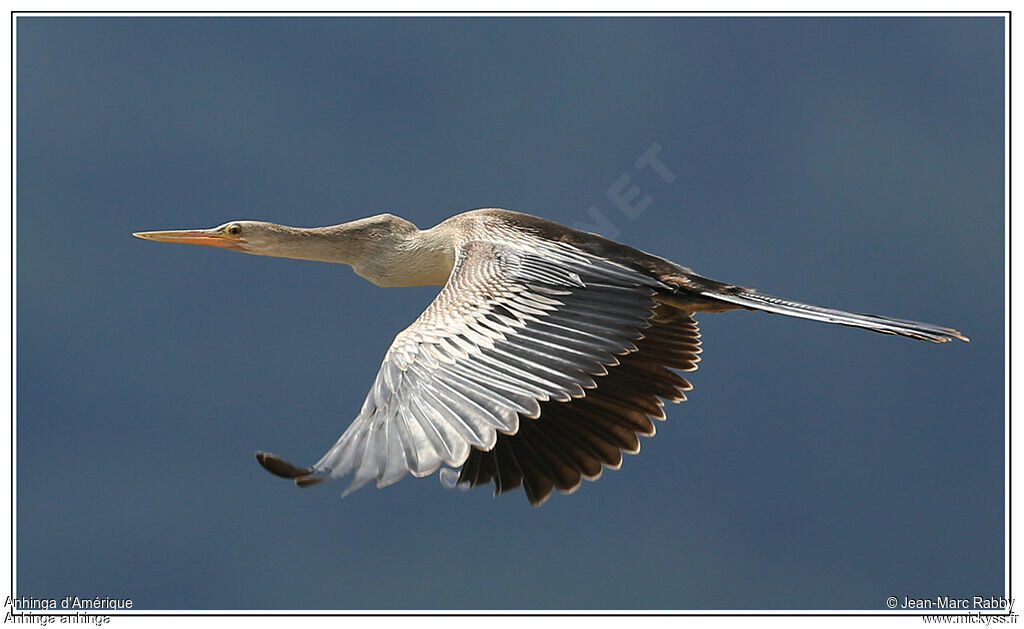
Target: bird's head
(247,236)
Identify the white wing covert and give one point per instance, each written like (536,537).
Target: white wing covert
(521,321)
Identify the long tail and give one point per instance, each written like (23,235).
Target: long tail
(875,323)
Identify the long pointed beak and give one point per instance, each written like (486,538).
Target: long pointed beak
(209,237)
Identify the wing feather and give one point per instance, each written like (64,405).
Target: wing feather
(588,434)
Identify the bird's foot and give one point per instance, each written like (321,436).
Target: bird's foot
(303,476)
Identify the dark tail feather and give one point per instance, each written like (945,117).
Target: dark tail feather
(875,323)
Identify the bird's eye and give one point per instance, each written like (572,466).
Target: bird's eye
(235,229)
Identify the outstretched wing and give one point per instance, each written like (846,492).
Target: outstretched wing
(521,322)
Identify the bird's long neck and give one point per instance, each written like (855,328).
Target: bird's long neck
(387,251)
(415,258)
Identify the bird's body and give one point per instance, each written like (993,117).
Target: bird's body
(546,353)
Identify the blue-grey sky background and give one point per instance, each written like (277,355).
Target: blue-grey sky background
(856,163)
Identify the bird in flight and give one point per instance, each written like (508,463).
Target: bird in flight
(543,358)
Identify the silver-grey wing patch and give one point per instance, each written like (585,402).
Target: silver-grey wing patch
(518,324)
